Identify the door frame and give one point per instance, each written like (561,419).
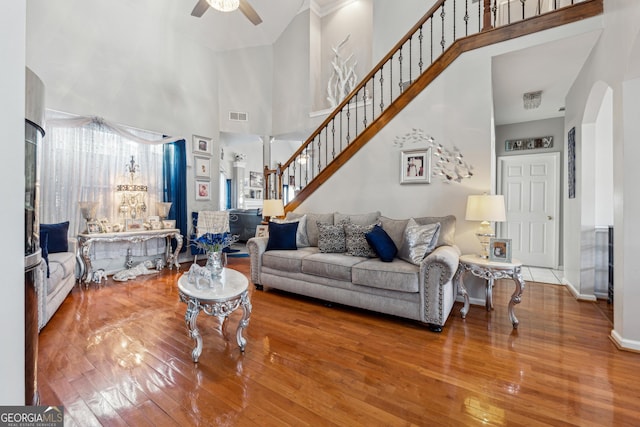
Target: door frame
(557,214)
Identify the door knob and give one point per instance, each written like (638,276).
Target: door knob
(549,217)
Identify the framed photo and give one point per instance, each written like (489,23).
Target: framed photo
(169,223)
(202,166)
(94,227)
(153,218)
(203,190)
(134,224)
(202,145)
(262,230)
(500,250)
(256,179)
(415,166)
(155,225)
(571,162)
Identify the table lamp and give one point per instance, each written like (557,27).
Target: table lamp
(485,208)
(272,207)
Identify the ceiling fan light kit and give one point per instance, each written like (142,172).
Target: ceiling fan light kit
(224,5)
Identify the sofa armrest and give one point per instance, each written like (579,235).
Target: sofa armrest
(256,246)
(436,280)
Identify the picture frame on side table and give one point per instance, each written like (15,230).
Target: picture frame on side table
(415,166)
(262,230)
(134,224)
(500,250)
(168,223)
(202,166)
(203,190)
(202,145)
(94,227)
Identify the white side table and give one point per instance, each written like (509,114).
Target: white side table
(490,271)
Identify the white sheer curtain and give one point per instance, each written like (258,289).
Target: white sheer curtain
(83,158)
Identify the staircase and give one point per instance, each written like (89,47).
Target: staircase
(446,31)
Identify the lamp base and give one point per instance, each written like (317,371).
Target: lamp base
(484,234)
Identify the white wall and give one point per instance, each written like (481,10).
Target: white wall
(354,20)
(127,70)
(614,55)
(12,88)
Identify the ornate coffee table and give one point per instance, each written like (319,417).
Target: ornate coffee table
(228,292)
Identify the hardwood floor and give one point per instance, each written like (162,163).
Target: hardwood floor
(120,355)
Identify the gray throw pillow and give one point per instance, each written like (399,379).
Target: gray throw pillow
(447,228)
(331,238)
(394,228)
(356,241)
(312,221)
(419,241)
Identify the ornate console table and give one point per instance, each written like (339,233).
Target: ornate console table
(490,271)
(86,240)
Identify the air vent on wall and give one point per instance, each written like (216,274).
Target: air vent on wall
(237,116)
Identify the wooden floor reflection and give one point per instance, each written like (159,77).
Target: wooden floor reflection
(119,354)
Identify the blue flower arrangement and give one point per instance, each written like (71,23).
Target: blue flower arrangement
(214,242)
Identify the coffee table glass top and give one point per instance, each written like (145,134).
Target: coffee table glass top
(231,283)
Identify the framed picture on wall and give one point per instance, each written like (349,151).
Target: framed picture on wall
(202,166)
(203,190)
(202,145)
(415,166)
(256,179)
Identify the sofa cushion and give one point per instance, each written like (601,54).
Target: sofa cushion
(282,236)
(330,265)
(302,241)
(290,261)
(359,219)
(356,241)
(447,228)
(331,238)
(61,265)
(397,275)
(57,239)
(419,241)
(381,243)
(312,224)
(394,228)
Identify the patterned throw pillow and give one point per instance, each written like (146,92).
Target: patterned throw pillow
(356,240)
(331,238)
(419,241)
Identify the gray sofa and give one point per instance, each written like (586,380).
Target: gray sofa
(54,289)
(423,292)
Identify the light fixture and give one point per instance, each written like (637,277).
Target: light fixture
(272,207)
(133,194)
(485,208)
(224,5)
(532,100)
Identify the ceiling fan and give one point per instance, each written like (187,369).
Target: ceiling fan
(227,6)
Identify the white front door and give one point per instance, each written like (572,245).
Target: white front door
(530,187)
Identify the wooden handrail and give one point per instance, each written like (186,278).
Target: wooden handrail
(489,35)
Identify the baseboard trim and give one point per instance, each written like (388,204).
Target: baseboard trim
(577,295)
(624,344)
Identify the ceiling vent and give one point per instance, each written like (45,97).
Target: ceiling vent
(238,116)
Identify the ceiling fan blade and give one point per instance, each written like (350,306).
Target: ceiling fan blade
(249,12)
(200,9)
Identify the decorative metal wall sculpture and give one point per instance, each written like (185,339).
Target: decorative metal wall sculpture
(448,164)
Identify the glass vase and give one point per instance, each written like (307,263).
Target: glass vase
(216,261)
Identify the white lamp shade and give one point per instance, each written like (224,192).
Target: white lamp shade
(485,207)
(273,207)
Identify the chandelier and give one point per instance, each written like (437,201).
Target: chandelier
(224,5)
(532,99)
(133,193)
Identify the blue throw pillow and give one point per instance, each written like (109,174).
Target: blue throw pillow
(282,236)
(57,239)
(44,242)
(382,243)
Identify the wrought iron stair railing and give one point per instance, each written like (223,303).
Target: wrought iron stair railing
(417,59)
